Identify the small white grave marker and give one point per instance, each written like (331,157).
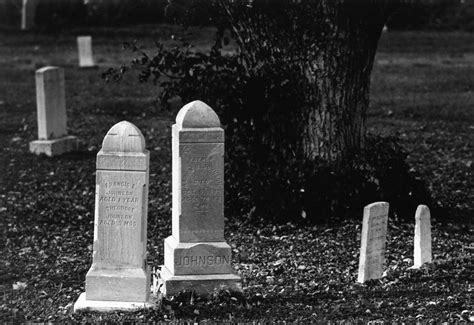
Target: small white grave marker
(84,45)
(28,13)
(196,255)
(51,109)
(422,240)
(373,239)
(119,278)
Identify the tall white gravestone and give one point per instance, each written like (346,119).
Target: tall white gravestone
(422,240)
(51,110)
(84,46)
(28,13)
(373,240)
(119,277)
(196,255)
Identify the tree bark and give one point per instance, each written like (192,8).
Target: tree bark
(336,41)
(335,123)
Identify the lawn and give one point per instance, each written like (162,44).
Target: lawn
(422,92)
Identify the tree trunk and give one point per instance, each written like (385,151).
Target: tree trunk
(332,44)
(335,124)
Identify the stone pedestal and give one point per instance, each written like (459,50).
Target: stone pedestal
(53,139)
(119,277)
(196,255)
(54,147)
(107,306)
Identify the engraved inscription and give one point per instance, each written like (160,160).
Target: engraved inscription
(119,222)
(120,198)
(202,260)
(201,171)
(202,186)
(376,240)
(201,191)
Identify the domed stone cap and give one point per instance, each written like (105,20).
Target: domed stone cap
(197,115)
(124,137)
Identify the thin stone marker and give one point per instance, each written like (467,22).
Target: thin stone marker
(196,254)
(119,278)
(53,139)
(373,241)
(422,240)
(84,46)
(28,13)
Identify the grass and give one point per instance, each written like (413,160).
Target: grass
(422,91)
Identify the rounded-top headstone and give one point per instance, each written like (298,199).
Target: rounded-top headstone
(47,68)
(197,115)
(124,137)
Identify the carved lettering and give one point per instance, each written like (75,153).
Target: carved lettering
(117,200)
(202,260)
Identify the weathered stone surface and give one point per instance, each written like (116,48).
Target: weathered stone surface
(198,175)
(196,255)
(108,306)
(51,111)
(373,240)
(422,240)
(201,284)
(197,258)
(197,115)
(119,271)
(51,103)
(84,45)
(54,147)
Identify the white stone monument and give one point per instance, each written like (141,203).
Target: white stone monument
(119,278)
(196,255)
(28,13)
(84,46)
(422,240)
(53,139)
(373,240)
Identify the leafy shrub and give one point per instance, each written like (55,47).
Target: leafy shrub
(258,95)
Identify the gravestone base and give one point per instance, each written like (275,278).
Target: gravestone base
(197,258)
(89,66)
(54,147)
(118,284)
(107,306)
(202,284)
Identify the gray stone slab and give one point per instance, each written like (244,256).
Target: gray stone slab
(28,14)
(202,284)
(84,46)
(51,114)
(119,271)
(422,240)
(197,258)
(109,306)
(196,255)
(373,241)
(54,147)
(51,103)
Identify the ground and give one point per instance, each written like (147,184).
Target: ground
(422,91)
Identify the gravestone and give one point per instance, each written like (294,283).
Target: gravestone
(84,45)
(422,241)
(196,254)
(53,139)
(28,13)
(373,239)
(119,278)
